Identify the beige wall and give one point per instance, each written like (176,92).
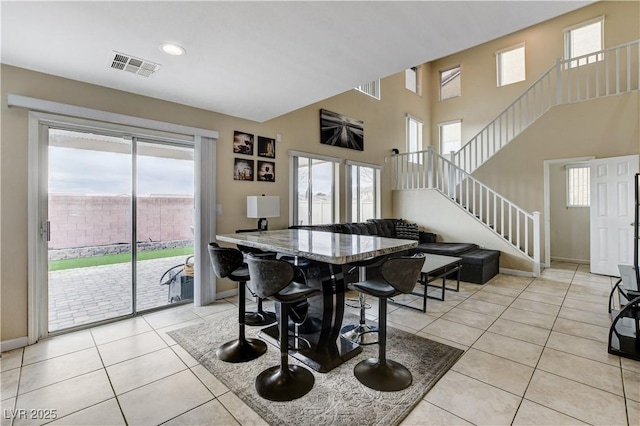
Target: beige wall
(606,127)
(384,123)
(482,100)
(434,212)
(569,226)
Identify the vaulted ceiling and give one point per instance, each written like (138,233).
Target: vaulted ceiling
(255,60)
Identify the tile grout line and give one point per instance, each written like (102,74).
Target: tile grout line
(470,346)
(557,375)
(535,368)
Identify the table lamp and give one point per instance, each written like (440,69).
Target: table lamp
(262,207)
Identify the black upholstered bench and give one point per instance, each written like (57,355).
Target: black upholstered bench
(479,266)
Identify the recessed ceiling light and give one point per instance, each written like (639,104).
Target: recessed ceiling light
(172,49)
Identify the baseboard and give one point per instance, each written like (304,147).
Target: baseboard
(226,293)
(8,345)
(516,272)
(566,259)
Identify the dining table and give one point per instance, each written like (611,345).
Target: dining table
(325,257)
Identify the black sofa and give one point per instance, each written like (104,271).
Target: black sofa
(478,265)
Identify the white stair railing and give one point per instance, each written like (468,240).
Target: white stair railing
(428,170)
(605,73)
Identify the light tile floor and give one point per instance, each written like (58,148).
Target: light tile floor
(536,354)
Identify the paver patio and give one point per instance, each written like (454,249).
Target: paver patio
(84,295)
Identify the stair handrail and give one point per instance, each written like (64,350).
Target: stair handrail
(473,153)
(480,184)
(426,170)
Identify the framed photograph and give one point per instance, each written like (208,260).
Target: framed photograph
(266,171)
(339,130)
(266,147)
(242,143)
(243,169)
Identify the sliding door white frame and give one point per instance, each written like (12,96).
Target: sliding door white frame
(59,114)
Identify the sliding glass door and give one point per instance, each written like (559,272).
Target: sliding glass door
(315,190)
(119,227)
(164,224)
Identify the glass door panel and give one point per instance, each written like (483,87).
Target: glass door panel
(164,224)
(322,192)
(302,185)
(89,209)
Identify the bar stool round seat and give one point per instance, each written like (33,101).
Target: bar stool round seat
(273,279)
(398,275)
(229,263)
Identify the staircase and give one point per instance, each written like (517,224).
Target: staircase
(608,72)
(429,170)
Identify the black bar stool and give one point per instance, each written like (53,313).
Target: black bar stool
(361,332)
(398,275)
(229,263)
(259,317)
(273,279)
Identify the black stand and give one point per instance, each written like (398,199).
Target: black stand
(241,349)
(284,382)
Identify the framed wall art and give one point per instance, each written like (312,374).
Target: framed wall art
(266,147)
(243,169)
(266,171)
(242,143)
(342,131)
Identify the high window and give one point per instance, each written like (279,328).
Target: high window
(510,65)
(450,86)
(578,185)
(450,136)
(414,133)
(363,187)
(315,190)
(583,39)
(412,80)
(372,89)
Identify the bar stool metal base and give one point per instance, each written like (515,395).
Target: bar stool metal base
(239,350)
(276,384)
(386,376)
(362,334)
(259,318)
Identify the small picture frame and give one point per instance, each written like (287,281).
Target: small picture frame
(266,147)
(242,143)
(266,171)
(243,169)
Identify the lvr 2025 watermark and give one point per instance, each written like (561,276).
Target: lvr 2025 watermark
(30,414)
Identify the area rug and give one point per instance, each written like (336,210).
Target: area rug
(337,397)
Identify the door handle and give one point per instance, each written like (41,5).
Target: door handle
(45,230)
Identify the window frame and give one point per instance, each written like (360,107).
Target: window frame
(569,63)
(413,74)
(440,133)
(569,187)
(294,157)
(349,166)
(459,67)
(408,120)
(499,65)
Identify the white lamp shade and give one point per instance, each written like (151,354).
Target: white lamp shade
(263,206)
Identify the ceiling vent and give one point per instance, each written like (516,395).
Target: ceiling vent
(124,62)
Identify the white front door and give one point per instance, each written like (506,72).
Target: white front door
(612,204)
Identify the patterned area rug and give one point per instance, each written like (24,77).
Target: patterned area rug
(337,397)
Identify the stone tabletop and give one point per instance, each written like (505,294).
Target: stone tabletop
(319,245)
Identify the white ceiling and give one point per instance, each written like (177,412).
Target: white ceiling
(255,60)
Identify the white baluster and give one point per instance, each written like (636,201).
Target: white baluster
(536,244)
